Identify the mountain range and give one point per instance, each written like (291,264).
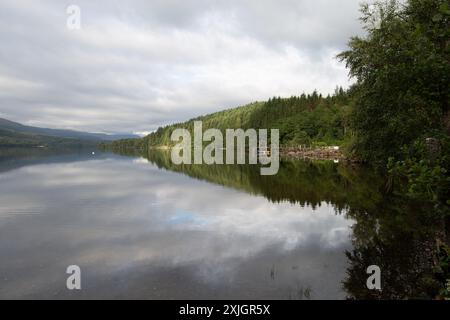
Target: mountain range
(13,134)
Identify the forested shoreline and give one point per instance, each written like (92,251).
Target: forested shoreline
(308,119)
(395,117)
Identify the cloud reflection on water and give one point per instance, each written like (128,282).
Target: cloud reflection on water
(133,228)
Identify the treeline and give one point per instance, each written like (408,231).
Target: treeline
(126,146)
(308,119)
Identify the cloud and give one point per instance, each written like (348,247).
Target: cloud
(136,66)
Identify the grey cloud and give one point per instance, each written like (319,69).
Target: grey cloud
(139,65)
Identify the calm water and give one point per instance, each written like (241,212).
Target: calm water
(142,228)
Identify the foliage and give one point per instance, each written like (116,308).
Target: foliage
(403,75)
(426,174)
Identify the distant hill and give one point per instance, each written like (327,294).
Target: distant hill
(13,134)
(61,133)
(13,139)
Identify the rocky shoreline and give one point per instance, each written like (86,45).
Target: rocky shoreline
(323,153)
(333,153)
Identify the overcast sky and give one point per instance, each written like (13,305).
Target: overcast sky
(137,65)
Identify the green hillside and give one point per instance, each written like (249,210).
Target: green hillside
(302,120)
(13,134)
(10,139)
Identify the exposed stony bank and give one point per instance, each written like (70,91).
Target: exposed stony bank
(323,153)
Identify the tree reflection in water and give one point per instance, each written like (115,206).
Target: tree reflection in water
(400,235)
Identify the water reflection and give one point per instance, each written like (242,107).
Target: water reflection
(404,237)
(138,231)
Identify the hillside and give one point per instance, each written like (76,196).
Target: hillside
(13,134)
(303,120)
(7,125)
(10,139)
